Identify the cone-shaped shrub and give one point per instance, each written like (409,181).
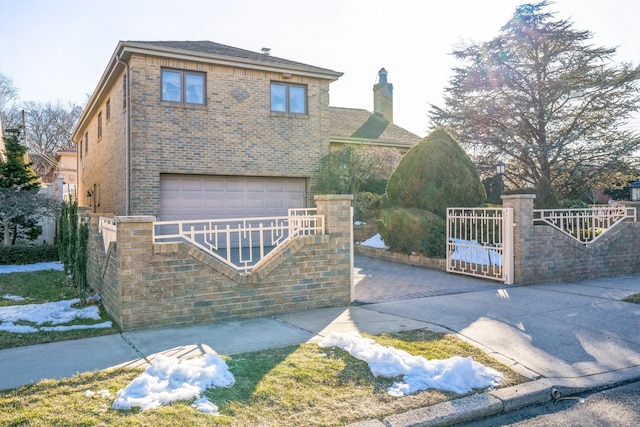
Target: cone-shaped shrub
(436,174)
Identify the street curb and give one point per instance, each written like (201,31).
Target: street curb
(469,408)
(490,403)
(447,413)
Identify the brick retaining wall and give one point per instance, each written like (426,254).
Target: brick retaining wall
(143,284)
(544,254)
(418,260)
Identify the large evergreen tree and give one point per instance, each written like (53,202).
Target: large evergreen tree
(542,99)
(434,175)
(19,186)
(15,174)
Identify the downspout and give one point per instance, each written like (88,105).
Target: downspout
(127,131)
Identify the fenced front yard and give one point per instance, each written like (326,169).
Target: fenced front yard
(546,245)
(152,273)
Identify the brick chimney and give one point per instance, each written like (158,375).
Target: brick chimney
(383,96)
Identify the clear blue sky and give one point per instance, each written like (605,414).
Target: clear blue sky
(56,50)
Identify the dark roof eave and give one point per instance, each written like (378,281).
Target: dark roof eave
(367,141)
(302,69)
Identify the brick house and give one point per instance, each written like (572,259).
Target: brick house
(196,129)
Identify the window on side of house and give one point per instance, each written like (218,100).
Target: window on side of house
(86,142)
(99,125)
(124,92)
(108,110)
(186,87)
(288,98)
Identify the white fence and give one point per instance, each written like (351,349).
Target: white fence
(480,243)
(585,225)
(107,228)
(241,243)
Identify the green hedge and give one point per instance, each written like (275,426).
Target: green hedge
(28,254)
(413,230)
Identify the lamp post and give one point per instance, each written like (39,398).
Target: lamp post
(634,188)
(500,169)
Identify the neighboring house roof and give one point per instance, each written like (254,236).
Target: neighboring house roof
(200,51)
(358,126)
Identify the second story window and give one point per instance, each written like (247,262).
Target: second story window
(288,98)
(100,125)
(108,110)
(186,87)
(86,142)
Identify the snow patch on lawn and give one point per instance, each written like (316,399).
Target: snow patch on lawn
(13,297)
(457,374)
(53,313)
(170,379)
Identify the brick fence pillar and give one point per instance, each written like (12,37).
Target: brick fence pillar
(338,223)
(135,250)
(522,205)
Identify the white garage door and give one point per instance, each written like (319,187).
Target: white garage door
(184,197)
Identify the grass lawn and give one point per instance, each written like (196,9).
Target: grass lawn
(39,287)
(301,385)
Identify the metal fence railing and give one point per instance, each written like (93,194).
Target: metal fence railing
(480,243)
(584,225)
(107,227)
(241,243)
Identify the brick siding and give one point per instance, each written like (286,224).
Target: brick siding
(230,135)
(149,285)
(544,254)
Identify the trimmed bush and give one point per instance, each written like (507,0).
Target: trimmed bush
(410,230)
(434,175)
(31,254)
(367,205)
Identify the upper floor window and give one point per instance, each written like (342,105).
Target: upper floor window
(100,125)
(124,92)
(288,98)
(183,86)
(86,142)
(107,109)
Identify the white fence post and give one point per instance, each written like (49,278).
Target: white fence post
(507,246)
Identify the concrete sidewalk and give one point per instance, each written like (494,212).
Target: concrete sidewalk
(572,336)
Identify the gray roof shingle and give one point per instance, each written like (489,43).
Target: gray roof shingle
(359,123)
(217,49)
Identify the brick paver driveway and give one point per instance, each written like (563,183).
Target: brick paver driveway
(379,280)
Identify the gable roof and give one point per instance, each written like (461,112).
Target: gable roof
(211,50)
(359,126)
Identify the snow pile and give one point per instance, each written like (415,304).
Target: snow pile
(169,379)
(13,297)
(473,252)
(375,242)
(457,374)
(23,268)
(54,313)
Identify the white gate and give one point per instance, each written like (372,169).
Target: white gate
(480,243)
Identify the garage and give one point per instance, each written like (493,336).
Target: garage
(185,197)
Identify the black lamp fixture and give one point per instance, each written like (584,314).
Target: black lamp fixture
(635,191)
(500,170)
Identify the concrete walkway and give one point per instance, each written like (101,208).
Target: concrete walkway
(571,336)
